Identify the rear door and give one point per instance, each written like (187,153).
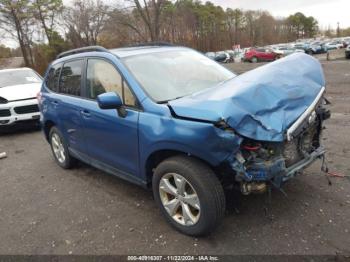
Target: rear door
(111,139)
(67,103)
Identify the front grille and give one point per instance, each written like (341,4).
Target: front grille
(26,109)
(5,112)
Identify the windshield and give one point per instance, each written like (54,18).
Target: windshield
(18,77)
(169,75)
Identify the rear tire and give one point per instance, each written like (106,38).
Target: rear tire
(199,185)
(59,149)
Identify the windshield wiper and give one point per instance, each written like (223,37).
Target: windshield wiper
(166,101)
(162,102)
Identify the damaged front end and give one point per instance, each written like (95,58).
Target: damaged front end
(278,109)
(260,163)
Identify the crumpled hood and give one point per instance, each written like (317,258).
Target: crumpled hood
(19,92)
(262,103)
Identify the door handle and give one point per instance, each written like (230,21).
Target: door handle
(54,102)
(85,113)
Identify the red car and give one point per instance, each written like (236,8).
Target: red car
(260,54)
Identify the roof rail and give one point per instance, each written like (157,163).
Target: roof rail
(151,44)
(82,50)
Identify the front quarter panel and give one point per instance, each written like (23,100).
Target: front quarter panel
(162,131)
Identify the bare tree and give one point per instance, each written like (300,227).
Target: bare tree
(150,13)
(85,22)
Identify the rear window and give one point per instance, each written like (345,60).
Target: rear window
(70,80)
(18,77)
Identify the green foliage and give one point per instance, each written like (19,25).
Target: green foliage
(46,12)
(302,26)
(5,52)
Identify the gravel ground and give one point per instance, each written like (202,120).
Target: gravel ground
(47,210)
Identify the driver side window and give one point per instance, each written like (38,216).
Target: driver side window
(102,77)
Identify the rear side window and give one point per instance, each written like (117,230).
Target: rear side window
(52,77)
(70,81)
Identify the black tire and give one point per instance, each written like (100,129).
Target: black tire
(69,161)
(205,183)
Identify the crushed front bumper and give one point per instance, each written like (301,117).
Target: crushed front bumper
(296,168)
(276,170)
(301,148)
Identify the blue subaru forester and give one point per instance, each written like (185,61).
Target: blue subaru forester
(169,118)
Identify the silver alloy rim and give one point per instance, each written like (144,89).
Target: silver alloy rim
(58,148)
(179,199)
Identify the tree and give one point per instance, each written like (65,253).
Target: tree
(338,30)
(5,51)
(85,21)
(150,13)
(302,26)
(46,11)
(235,20)
(16,20)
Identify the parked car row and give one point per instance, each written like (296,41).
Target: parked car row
(273,52)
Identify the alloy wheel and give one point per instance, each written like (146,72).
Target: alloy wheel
(179,199)
(58,148)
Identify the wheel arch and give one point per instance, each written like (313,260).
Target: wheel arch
(156,157)
(48,124)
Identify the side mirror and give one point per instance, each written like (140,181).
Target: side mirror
(111,100)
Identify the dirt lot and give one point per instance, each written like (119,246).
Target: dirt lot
(47,210)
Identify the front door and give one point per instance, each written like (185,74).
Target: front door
(111,139)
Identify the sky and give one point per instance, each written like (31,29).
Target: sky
(327,12)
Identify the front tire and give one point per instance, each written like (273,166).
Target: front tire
(189,195)
(254,59)
(60,149)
